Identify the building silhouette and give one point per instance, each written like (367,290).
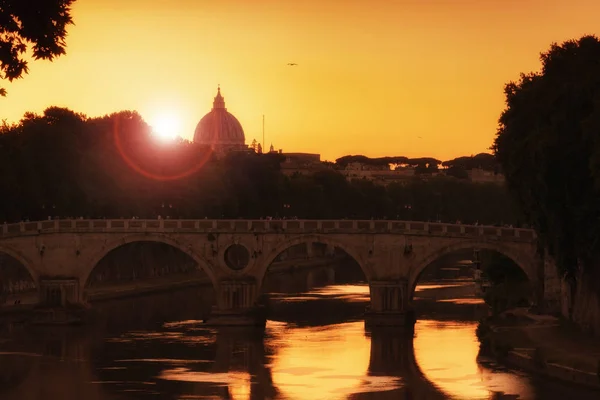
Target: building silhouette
(220,130)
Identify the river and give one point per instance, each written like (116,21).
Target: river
(315,346)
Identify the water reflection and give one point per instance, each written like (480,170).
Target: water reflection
(447,352)
(320,358)
(319,362)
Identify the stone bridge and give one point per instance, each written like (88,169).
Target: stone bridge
(60,255)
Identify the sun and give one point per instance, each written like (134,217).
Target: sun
(166,126)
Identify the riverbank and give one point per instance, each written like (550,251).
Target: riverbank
(543,345)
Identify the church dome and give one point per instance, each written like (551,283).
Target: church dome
(220,129)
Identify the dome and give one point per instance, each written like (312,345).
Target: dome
(220,129)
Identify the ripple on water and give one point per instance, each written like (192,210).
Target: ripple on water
(18,353)
(293,362)
(191,336)
(187,323)
(462,301)
(238,382)
(162,361)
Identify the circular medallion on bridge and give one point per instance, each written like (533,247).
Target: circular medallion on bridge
(237,257)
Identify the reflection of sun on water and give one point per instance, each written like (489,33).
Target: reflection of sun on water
(322,362)
(239,385)
(238,382)
(462,301)
(420,288)
(446,353)
(358,292)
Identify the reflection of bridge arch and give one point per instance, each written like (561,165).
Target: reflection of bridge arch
(242,349)
(526,262)
(392,355)
(239,367)
(59,366)
(201,262)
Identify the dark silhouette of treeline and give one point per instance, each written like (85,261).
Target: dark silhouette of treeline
(456,167)
(63,164)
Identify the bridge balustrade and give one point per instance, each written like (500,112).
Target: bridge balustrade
(264,226)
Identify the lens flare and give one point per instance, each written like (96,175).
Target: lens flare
(204,156)
(166,126)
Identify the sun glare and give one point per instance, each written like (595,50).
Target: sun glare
(166,126)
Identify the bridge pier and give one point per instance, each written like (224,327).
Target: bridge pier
(389,305)
(237,305)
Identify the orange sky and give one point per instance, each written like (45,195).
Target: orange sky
(373,76)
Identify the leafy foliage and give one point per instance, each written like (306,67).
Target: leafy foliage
(65,164)
(485,161)
(426,162)
(548,144)
(38,24)
(381,161)
(456,168)
(510,286)
(501,269)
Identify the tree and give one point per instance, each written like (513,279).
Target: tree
(485,161)
(510,286)
(39,24)
(457,172)
(548,144)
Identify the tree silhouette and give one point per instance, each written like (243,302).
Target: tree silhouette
(39,24)
(65,164)
(548,145)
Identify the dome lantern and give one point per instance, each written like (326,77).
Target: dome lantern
(219,102)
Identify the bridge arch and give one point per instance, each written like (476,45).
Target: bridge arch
(24,261)
(201,262)
(526,262)
(262,267)
(18,277)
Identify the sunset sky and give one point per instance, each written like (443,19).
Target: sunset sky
(378,77)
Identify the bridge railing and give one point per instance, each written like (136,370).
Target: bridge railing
(241,225)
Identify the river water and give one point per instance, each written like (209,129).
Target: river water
(315,346)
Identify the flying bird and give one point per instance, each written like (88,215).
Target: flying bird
(292,64)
